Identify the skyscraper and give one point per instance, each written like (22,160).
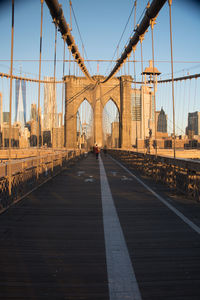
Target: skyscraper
(161,121)
(20,101)
(33,112)
(142,113)
(193,127)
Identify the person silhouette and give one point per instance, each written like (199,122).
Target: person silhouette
(96,150)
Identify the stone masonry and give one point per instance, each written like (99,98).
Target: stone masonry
(77,89)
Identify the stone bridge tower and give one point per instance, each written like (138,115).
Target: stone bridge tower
(77,89)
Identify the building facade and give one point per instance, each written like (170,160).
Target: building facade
(20,101)
(142,109)
(193,127)
(161,121)
(33,112)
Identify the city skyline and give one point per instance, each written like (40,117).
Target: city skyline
(26,57)
(21,112)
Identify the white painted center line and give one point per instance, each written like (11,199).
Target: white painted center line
(121,276)
(172,208)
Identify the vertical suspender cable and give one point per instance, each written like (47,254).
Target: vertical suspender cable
(38,114)
(54,86)
(141,37)
(38,117)
(10,115)
(134,48)
(136,135)
(152,22)
(69,61)
(63,87)
(170,21)
(70,9)
(143,121)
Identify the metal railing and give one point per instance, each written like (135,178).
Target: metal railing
(27,174)
(182,175)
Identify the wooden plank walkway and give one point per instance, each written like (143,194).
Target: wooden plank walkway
(52,243)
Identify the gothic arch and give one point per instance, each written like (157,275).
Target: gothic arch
(118,90)
(110,123)
(115,102)
(79,103)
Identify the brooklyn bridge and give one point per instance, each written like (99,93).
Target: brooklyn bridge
(100,186)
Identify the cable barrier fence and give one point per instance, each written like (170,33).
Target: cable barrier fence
(29,173)
(181,175)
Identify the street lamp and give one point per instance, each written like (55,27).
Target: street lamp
(153,73)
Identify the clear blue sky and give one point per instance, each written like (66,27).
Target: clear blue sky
(101,24)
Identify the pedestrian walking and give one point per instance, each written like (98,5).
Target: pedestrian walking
(96,150)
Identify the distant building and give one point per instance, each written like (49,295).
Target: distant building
(142,114)
(33,112)
(20,101)
(193,127)
(6,115)
(161,121)
(14,135)
(47,138)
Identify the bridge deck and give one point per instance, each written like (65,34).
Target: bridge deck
(53,245)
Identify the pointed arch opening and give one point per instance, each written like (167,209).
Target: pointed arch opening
(84,124)
(111,125)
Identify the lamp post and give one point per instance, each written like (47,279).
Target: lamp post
(153,73)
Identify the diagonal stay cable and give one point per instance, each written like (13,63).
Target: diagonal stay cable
(151,12)
(80,35)
(122,34)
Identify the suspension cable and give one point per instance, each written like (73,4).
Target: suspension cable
(83,46)
(10,115)
(151,12)
(38,117)
(170,21)
(152,23)
(134,48)
(117,47)
(141,38)
(38,121)
(63,87)
(54,86)
(58,16)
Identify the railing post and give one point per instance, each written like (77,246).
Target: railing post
(52,163)
(61,159)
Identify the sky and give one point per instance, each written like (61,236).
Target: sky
(101,25)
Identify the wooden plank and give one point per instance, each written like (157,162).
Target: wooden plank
(52,243)
(165,251)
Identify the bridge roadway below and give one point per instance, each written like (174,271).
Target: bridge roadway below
(95,234)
